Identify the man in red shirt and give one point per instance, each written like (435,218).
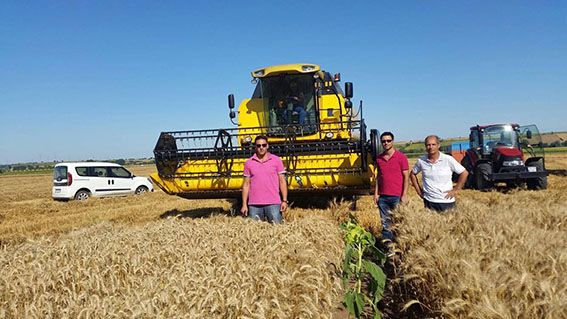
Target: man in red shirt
(264,179)
(392,182)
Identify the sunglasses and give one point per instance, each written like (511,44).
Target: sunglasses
(386,141)
(261,145)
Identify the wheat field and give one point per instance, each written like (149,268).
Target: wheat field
(498,255)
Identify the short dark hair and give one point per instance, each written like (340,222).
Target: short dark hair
(261,137)
(430,136)
(387,133)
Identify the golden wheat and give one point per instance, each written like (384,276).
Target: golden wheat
(196,268)
(498,255)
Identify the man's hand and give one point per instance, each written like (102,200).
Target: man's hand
(451,193)
(376,197)
(244,210)
(404,198)
(283,207)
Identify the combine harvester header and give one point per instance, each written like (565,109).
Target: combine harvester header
(310,123)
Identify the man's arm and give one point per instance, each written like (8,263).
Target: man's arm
(460,183)
(245,191)
(405,186)
(416,185)
(283,190)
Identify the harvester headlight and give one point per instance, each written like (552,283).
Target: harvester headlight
(329,135)
(248,139)
(513,163)
(307,68)
(259,73)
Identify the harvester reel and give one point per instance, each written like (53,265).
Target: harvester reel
(224,163)
(292,158)
(167,163)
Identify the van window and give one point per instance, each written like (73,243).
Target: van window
(119,172)
(82,171)
(99,172)
(60,173)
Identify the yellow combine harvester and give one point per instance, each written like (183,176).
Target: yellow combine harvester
(310,124)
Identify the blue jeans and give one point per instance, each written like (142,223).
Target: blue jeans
(299,109)
(259,212)
(385,204)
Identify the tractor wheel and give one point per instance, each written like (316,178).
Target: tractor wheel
(539,182)
(482,176)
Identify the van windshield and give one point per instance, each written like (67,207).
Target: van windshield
(60,173)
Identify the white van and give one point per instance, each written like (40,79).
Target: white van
(85,179)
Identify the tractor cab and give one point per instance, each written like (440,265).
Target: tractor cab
(507,153)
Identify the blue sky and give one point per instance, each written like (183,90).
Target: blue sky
(102,79)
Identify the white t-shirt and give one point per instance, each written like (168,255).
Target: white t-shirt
(437,176)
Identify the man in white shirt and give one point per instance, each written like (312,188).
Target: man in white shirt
(437,170)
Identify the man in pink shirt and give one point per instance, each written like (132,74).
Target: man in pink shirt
(264,179)
(392,182)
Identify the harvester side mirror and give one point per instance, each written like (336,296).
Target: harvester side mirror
(231,102)
(348,90)
(232,115)
(529,134)
(348,104)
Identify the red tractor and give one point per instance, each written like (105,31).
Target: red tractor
(505,153)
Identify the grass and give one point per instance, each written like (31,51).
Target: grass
(499,255)
(560,149)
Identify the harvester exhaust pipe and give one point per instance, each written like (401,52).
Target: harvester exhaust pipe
(348,95)
(232,114)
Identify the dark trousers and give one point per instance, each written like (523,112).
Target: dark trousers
(440,207)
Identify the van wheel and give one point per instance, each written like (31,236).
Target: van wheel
(141,190)
(82,195)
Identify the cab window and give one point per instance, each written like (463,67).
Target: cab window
(288,99)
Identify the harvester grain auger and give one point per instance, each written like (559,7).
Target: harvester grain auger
(310,124)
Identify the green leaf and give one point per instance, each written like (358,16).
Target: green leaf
(348,302)
(378,254)
(359,302)
(346,265)
(369,238)
(378,275)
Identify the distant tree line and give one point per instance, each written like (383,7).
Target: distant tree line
(555,144)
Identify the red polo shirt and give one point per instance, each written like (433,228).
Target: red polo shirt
(390,177)
(264,179)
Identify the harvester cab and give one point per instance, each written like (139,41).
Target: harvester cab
(310,123)
(506,153)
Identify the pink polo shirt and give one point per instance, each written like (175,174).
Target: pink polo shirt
(264,179)
(390,177)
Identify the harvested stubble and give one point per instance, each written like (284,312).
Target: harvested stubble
(218,267)
(498,255)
